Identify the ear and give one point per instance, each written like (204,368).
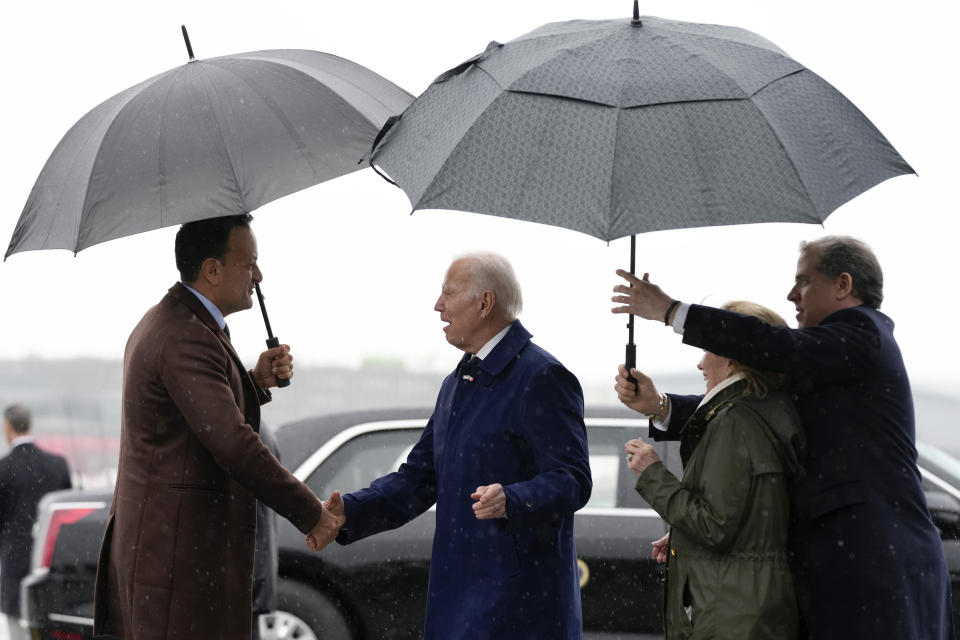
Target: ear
(211,270)
(843,286)
(487,300)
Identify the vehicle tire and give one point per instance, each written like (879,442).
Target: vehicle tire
(304,613)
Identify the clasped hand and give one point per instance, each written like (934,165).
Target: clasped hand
(640,455)
(331,520)
(491,502)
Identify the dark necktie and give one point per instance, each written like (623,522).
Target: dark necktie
(226,330)
(468,369)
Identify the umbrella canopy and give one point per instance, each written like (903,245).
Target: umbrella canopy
(619,127)
(211,138)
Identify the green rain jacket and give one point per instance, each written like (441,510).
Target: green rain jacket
(727,573)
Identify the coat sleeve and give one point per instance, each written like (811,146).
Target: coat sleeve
(194,370)
(681,408)
(845,346)
(711,506)
(552,423)
(396,498)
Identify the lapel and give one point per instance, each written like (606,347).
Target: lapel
(183,295)
(456,401)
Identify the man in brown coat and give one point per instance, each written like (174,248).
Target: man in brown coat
(177,555)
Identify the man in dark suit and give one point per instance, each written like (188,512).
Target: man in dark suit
(866,556)
(177,554)
(26,474)
(504,457)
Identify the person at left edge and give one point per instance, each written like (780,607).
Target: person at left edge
(177,556)
(26,474)
(504,457)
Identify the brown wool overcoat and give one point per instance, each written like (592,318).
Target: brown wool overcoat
(177,555)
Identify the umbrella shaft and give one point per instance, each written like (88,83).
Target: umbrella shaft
(263,310)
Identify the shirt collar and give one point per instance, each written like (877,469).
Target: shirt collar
(21,440)
(720,387)
(212,308)
(493,342)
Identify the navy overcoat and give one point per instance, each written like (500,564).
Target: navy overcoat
(867,558)
(517,420)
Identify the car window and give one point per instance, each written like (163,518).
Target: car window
(365,458)
(362,460)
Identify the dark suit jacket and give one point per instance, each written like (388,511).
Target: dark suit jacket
(177,555)
(26,474)
(517,420)
(867,557)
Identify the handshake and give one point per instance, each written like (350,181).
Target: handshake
(327,528)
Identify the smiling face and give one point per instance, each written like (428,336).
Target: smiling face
(715,369)
(463,313)
(238,271)
(814,294)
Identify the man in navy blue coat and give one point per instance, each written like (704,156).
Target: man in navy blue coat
(866,556)
(504,457)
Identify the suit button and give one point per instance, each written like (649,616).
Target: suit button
(528,503)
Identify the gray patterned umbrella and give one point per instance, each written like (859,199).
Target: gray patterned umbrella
(619,127)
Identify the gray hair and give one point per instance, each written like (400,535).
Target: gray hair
(844,254)
(19,417)
(492,272)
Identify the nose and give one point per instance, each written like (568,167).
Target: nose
(438,306)
(700,364)
(257,274)
(792,295)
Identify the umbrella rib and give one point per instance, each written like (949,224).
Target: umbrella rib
(211,88)
(818,217)
(772,48)
(613,169)
(281,117)
(85,209)
(429,183)
(699,56)
(343,78)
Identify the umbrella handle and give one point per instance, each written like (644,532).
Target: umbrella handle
(274,341)
(630,362)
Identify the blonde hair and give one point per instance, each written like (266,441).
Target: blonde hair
(758,382)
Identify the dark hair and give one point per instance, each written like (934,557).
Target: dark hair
(843,254)
(197,241)
(18,416)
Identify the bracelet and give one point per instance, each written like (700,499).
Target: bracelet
(661,408)
(666,316)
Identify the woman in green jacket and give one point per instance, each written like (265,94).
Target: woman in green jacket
(727,572)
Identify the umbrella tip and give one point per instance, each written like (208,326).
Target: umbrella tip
(186,40)
(636,22)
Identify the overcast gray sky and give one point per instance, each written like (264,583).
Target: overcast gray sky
(349,275)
